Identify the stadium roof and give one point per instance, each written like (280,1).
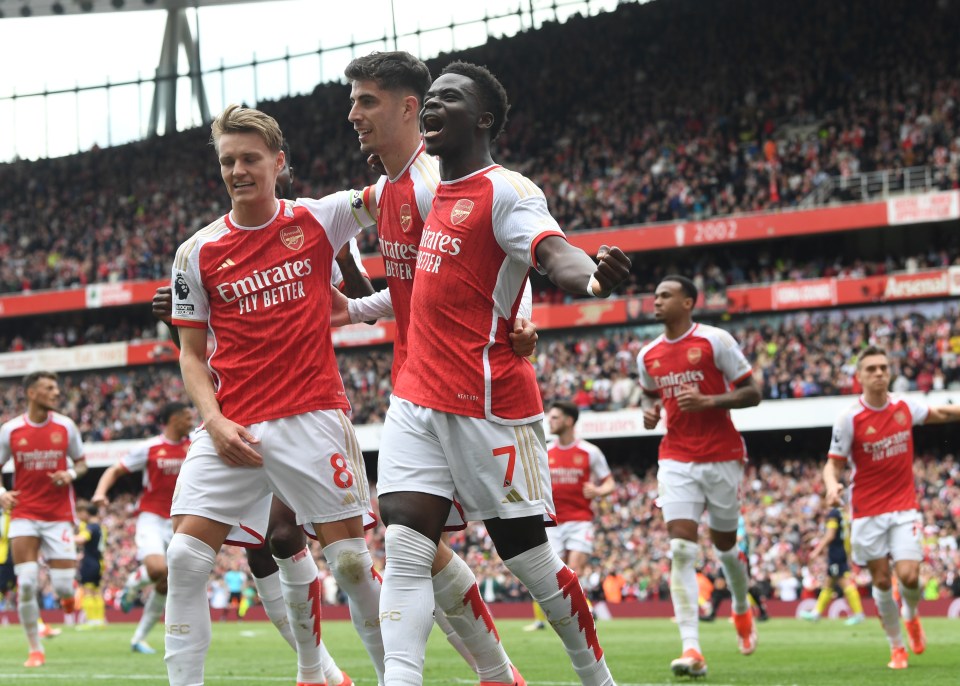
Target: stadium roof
(45,8)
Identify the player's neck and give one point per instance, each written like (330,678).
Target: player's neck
(877,399)
(566,438)
(395,161)
(458,164)
(37,415)
(250,214)
(674,330)
(172,436)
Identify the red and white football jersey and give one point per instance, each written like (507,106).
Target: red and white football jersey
(709,359)
(879,441)
(403,204)
(571,466)
(160,459)
(39,450)
(263,294)
(477,246)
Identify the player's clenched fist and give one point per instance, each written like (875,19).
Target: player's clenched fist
(612,270)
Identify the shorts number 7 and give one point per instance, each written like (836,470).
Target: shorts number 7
(511,452)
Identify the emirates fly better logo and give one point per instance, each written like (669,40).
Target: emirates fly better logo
(292,237)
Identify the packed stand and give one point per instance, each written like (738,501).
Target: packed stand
(647,142)
(783,510)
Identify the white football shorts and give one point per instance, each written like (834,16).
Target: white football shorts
(896,534)
(153,534)
(492,470)
(311,461)
(577,536)
(56,538)
(685,489)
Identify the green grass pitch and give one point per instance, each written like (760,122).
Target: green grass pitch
(638,652)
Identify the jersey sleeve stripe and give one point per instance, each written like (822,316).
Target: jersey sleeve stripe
(536,242)
(743,377)
(429,176)
(834,456)
(190,324)
(183,254)
(510,178)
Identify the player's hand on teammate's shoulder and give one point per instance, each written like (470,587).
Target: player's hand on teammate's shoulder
(162,306)
(524,337)
(613,268)
(233,443)
(376,164)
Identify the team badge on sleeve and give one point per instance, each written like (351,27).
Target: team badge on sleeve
(356,199)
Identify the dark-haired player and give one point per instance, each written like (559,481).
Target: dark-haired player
(465,419)
(160,459)
(697,373)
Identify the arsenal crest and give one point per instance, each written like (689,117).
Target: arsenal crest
(292,237)
(56,438)
(900,418)
(694,355)
(406,218)
(461,211)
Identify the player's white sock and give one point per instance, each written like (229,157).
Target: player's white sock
(300,581)
(331,671)
(189,563)
(911,599)
(271,597)
(406,604)
(63,582)
(684,592)
(349,562)
(458,598)
(735,571)
(556,588)
(889,616)
(28,609)
(441,621)
(152,612)
(137,580)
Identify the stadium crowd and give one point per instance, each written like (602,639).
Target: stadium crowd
(607,152)
(794,356)
(783,511)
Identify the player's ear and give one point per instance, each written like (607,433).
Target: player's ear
(411,106)
(485,121)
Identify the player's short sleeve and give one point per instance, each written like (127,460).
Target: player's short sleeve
(521,218)
(136,459)
(191,304)
(646,381)
(74,442)
(841,442)
(730,360)
(919,411)
(5,451)
(526,301)
(599,469)
(426,178)
(343,214)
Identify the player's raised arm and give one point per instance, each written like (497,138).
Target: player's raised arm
(943,414)
(574,271)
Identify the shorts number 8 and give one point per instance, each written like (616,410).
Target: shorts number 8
(341,474)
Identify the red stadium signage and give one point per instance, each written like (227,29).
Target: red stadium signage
(801,295)
(930,207)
